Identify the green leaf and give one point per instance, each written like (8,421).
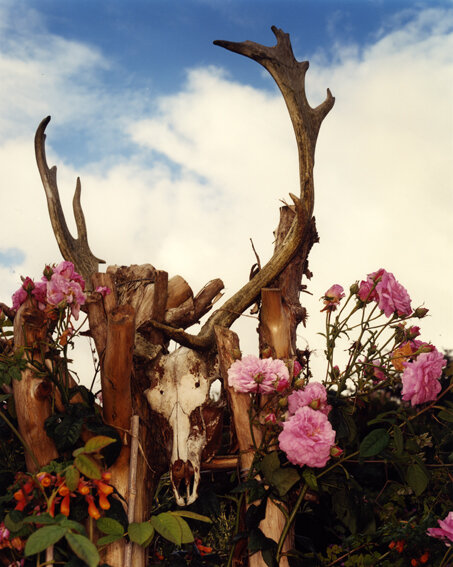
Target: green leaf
(186,532)
(141,532)
(110,526)
(88,466)
(14,521)
(72,525)
(310,478)
(191,515)
(43,538)
(375,442)
(45,519)
(269,557)
(446,415)
(259,542)
(168,527)
(4,397)
(97,443)
(417,478)
(269,464)
(84,549)
(107,539)
(72,477)
(280,478)
(285,479)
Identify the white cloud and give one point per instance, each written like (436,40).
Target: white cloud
(214,159)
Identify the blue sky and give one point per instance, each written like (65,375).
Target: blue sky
(185,149)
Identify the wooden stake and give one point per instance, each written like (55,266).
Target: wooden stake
(132,492)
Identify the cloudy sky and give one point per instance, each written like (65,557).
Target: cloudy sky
(185,150)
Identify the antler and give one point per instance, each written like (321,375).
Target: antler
(75,250)
(289,74)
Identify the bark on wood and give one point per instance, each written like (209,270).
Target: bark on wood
(32,395)
(275,326)
(132,489)
(117,402)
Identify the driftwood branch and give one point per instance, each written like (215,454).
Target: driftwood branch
(32,395)
(75,250)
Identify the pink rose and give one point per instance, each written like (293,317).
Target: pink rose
(445,532)
(332,297)
(40,294)
(297,368)
(57,289)
(421,377)
(377,371)
(390,295)
(19,297)
(261,375)
(62,292)
(307,438)
(67,271)
(367,289)
(314,395)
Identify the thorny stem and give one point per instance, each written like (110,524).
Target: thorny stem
(289,522)
(432,404)
(445,557)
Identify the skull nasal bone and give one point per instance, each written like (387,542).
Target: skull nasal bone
(182,470)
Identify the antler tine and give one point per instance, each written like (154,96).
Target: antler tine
(289,74)
(75,250)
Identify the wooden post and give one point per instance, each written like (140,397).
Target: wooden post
(32,395)
(117,402)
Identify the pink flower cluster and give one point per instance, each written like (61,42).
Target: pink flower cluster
(445,532)
(421,377)
(332,297)
(313,395)
(390,295)
(307,438)
(258,375)
(60,286)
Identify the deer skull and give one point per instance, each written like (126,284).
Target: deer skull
(180,386)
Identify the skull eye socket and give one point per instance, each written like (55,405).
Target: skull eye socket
(197,384)
(161,392)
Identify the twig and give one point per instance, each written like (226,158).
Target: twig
(135,427)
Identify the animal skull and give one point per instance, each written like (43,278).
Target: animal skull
(180,386)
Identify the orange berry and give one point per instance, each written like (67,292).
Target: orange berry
(19,495)
(63,490)
(103,488)
(83,488)
(400,546)
(414,562)
(424,558)
(392,545)
(45,481)
(65,505)
(51,507)
(28,487)
(103,502)
(107,476)
(93,512)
